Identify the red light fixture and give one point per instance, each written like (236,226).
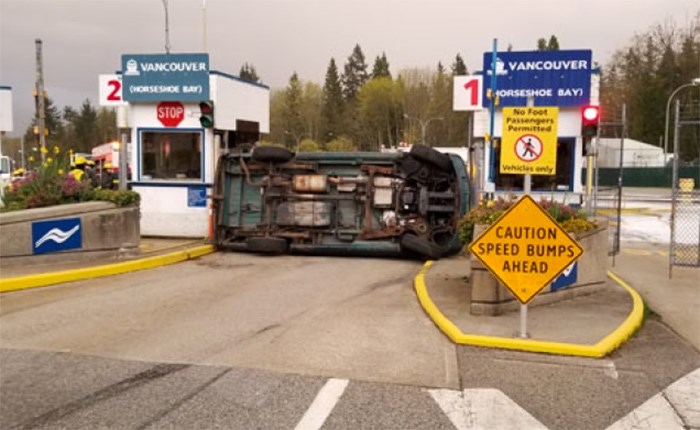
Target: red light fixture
(590,117)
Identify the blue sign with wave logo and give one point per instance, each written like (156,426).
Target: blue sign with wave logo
(56,235)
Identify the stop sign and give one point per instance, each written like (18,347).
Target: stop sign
(170,114)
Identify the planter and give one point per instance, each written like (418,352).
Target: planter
(69,232)
(489,297)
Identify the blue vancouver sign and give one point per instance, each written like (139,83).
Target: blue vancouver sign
(552,78)
(165,77)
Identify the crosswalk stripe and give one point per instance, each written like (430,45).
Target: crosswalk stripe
(676,407)
(655,413)
(483,408)
(322,405)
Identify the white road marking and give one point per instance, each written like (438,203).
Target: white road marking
(655,413)
(322,405)
(684,395)
(676,407)
(484,408)
(610,370)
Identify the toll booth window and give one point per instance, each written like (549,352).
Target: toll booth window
(171,155)
(561,181)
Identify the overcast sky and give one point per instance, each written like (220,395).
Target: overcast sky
(85,38)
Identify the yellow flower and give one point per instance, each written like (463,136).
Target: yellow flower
(44,150)
(31,158)
(49,160)
(56,150)
(60,171)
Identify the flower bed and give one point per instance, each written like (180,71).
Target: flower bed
(569,218)
(490,297)
(49,183)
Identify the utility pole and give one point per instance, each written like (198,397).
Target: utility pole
(204,25)
(39,94)
(167,27)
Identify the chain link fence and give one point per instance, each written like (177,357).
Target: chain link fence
(685,225)
(684,248)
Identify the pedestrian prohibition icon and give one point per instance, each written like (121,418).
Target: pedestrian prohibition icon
(528,147)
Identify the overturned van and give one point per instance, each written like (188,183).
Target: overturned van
(270,200)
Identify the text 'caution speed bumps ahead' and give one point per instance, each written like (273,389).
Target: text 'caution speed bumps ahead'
(526,249)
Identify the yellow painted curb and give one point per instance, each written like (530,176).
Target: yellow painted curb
(45,279)
(600,349)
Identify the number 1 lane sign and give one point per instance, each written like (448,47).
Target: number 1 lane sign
(467,93)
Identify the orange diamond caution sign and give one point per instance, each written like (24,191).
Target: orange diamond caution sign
(526,249)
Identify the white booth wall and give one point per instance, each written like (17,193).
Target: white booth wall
(178,205)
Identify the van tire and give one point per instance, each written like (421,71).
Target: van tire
(267,245)
(420,246)
(431,156)
(271,154)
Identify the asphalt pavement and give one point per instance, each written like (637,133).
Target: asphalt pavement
(640,286)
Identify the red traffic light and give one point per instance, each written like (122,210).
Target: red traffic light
(590,116)
(206,107)
(590,113)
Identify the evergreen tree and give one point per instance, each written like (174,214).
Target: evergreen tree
(332,104)
(85,130)
(381,67)
(248,73)
(458,67)
(355,74)
(354,77)
(553,44)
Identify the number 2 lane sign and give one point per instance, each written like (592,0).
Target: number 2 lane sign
(467,92)
(110,91)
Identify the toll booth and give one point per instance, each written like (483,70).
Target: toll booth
(564,81)
(175,144)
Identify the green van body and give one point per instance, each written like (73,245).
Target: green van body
(356,203)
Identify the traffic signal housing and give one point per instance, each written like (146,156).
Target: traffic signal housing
(206,114)
(590,118)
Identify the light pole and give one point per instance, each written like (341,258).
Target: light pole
(296,137)
(694,83)
(423,124)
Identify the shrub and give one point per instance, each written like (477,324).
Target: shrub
(487,212)
(308,145)
(119,198)
(341,144)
